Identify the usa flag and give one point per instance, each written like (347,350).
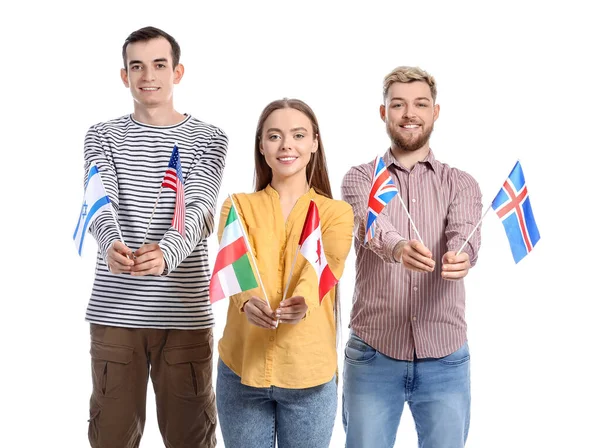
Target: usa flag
(513,207)
(383,191)
(174,180)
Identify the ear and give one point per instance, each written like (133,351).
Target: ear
(382,112)
(315,145)
(260,147)
(436,112)
(179,70)
(124,77)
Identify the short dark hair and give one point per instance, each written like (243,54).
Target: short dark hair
(147,33)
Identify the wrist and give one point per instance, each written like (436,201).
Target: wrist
(397,252)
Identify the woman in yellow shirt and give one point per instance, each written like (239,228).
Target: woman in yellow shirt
(278,361)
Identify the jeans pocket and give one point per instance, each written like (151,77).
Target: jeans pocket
(190,370)
(358,351)
(458,357)
(110,368)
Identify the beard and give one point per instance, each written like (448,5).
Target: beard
(408,144)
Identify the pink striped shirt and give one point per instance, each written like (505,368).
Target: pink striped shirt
(396,311)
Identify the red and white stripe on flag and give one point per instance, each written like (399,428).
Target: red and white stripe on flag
(311,247)
(172,182)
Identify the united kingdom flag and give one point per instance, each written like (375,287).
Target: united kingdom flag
(383,191)
(513,207)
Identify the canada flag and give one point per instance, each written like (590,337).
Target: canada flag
(311,247)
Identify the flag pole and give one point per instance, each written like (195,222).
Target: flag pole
(409,218)
(152,215)
(473,231)
(155,204)
(291,271)
(251,253)
(112,210)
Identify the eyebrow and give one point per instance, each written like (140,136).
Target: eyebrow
(135,61)
(421,98)
(293,130)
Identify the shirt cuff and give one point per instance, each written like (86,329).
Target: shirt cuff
(390,240)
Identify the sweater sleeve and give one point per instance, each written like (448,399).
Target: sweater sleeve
(201,187)
(105,227)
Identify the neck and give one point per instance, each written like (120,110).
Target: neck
(164,115)
(409,159)
(290,188)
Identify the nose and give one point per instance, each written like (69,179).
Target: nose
(286,142)
(409,111)
(148,74)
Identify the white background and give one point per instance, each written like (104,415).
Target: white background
(517,80)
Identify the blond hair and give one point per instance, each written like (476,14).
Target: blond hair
(409,74)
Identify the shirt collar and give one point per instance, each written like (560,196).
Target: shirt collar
(273,193)
(389,159)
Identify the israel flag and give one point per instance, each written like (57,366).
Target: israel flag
(95,200)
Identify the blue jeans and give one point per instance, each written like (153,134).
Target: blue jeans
(252,417)
(438,393)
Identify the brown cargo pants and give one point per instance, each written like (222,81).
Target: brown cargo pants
(180,365)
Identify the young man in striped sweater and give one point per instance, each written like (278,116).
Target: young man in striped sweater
(408,340)
(149,310)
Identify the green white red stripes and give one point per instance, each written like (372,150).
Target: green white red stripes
(232,273)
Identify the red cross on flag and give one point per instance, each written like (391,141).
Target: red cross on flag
(311,247)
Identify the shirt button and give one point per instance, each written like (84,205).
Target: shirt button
(279,291)
(414,317)
(414,200)
(271,338)
(415,288)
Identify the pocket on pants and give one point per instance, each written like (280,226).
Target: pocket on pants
(190,369)
(458,357)
(211,411)
(110,368)
(358,351)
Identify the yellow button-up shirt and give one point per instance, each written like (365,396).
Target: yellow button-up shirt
(291,356)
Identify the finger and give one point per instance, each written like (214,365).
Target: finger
(260,323)
(418,264)
(120,247)
(116,267)
(296,300)
(257,317)
(119,258)
(455,275)
(290,321)
(146,248)
(152,267)
(145,265)
(291,316)
(421,249)
(454,267)
(423,259)
(263,307)
(148,256)
(291,309)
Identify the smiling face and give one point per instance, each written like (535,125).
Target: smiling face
(409,113)
(287,142)
(150,75)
